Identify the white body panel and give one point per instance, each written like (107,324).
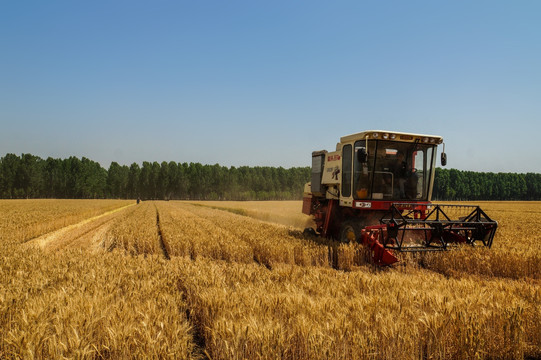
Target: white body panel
(332,170)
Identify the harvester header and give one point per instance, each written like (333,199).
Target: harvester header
(376,188)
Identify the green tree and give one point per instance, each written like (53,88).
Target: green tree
(163,182)
(133,189)
(117,181)
(8,172)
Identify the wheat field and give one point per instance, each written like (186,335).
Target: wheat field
(237,280)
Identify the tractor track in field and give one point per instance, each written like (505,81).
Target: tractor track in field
(163,243)
(199,351)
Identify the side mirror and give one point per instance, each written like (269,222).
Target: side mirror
(443,159)
(362,155)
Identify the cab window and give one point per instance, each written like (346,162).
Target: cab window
(363,165)
(346,171)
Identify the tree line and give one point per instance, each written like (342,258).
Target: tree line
(452,184)
(29,176)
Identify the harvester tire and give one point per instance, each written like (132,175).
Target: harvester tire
(309,232)
(350,231)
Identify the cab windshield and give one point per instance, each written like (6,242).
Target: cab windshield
(390,170)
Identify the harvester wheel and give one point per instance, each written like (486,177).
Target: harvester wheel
(309,232)
(350,231)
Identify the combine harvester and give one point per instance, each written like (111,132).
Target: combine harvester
(376,189)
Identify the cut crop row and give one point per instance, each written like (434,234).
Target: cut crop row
(23,220)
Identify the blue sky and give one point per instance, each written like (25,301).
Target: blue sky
(266,83)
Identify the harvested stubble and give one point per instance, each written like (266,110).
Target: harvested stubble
(87,234)
(23,220)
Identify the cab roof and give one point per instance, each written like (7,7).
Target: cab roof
(392,136)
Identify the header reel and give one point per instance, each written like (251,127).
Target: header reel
(412,227)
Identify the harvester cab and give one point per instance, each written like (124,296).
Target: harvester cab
(376,187)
